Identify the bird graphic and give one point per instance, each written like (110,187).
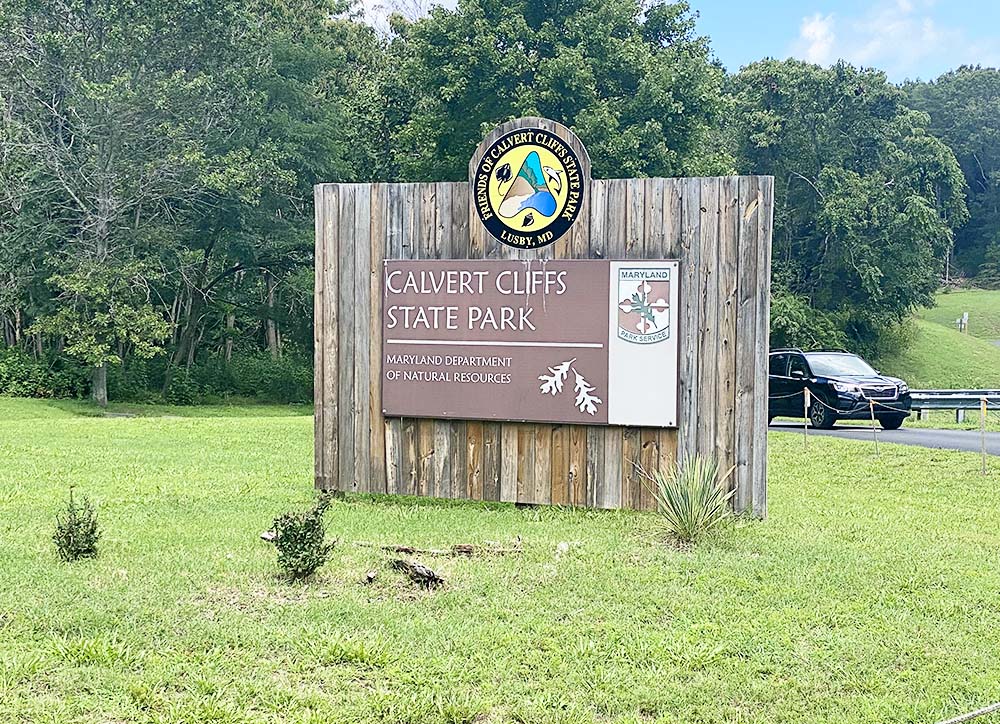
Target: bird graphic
(529,219)
(554,176)
(503,173)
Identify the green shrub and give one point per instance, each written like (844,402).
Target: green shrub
(76,531)
(22,375)
(301,540)
(183,390)
(287,379)
(691,497)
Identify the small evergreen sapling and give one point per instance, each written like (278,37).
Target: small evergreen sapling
(301,540)
(76,530)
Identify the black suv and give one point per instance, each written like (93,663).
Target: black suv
(840,385)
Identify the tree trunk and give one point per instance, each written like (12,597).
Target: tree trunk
(270,326)
(230,326)
(99,387)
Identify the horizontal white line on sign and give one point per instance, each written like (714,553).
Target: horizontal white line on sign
(485,343)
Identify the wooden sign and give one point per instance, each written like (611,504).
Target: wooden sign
(471,389)
(568,341)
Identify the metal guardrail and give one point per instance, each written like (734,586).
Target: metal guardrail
(953,399)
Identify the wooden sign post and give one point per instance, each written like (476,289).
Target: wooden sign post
(530,199)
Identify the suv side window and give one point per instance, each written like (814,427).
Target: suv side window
(778,365)
(798,364)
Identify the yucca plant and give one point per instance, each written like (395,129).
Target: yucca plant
(691,496)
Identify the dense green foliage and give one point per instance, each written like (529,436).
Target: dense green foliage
(157,162)
(868,595)
(964,108)
(638,87)
(157,173)
(866,200)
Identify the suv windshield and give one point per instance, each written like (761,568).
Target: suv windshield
(833,365)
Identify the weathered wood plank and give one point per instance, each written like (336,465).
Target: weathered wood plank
(708,317)
(688,369)
(459,248)
(474,459)
(394,223)
(377,470)
(346,359)
(424,242)
(362,251)
(441,248)
(762,343)
(578,483)
(615,231)
(541,472)
(491,461)
(524,459)
(319,326)
(597,249)
(508,457)
(409,249)
(728,255)
(559,466)
(636,214)
(746,312)
(654,247)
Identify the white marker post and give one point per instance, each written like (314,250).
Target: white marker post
(982,430)
(805,425)
(871,409)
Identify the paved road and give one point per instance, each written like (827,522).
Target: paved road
(943,439)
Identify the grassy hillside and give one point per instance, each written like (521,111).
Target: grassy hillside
(864,597)
(941,358)
(983,307)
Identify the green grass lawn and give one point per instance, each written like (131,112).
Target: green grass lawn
(942,358)
(982,305)
(871,594)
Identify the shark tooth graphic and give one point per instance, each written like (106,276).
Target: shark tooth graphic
(529,190)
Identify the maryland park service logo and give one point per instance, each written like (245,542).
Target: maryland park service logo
(528,188)
(644,305)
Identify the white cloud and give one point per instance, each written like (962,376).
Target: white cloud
(377,12)
(817,38)
(899,36)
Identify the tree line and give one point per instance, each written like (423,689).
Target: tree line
(157,162)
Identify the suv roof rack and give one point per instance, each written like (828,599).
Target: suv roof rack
(786,349)
(839,350)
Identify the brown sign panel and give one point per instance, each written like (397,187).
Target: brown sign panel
(537,340)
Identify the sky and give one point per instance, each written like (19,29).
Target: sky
(908,39)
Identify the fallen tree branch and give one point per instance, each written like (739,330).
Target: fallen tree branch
(459,549)
(418,573)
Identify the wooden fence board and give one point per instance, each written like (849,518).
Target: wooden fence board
(345,342)
(725,433)
(761,344)
(746,312)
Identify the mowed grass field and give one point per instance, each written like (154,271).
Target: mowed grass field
(983,306)
(871,594)
(941,357)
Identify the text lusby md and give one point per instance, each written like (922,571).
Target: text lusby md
(466,285)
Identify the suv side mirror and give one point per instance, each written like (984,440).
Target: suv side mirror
(798,374)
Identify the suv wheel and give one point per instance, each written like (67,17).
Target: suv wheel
(891,422)
(821,416)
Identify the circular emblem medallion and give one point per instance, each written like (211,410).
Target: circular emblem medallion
(528,188)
